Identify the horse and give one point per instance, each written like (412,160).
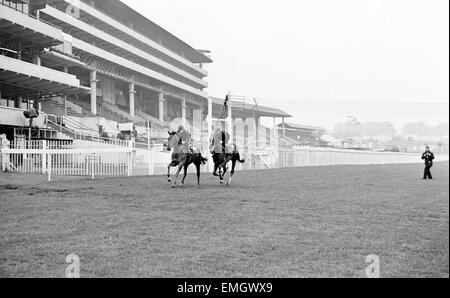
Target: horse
(182,157)
(221,159)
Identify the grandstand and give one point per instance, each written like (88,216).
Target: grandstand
(301,135)
(98,60)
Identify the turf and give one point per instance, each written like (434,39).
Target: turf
(303,222)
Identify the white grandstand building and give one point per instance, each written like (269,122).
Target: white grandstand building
(97,59)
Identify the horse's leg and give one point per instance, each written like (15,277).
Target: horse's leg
(233,166)
(227,160)
(171,165)
(221,175)
(197,165)
(168,173)
(215,161)
(185,173)
(224,166)
(216,167)
(174,183)
(222,169)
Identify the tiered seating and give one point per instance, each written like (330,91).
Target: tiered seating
(84,105)
(107,113)
(53,107)
(113,113)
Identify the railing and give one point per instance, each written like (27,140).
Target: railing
(25,9)
(17,5)
(60,158)
(311,156)
(84,133)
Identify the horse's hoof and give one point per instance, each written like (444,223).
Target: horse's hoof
(221,182)
(174,186)
(215,175)
(170,180)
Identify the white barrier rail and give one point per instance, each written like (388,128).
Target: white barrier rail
(62,158)
(43,159)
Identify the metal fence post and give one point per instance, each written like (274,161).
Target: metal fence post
(130,158)
(44,156)
(92,166)
(49,167)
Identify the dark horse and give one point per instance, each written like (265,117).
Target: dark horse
(182,157)
(223,155)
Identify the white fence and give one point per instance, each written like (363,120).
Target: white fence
(72,158)
(313,156)
(328,156)
(60,158)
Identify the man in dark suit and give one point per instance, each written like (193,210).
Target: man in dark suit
(428,157)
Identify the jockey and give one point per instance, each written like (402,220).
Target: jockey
(219,141)
(185,139)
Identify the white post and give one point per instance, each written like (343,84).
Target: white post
(49,168)
(94,92)
(92,166)
(4,163)
(65,105)
(161,107)
(151,169)
(148,134)
(4,157)
(132,93)
(44,156)
(130,159)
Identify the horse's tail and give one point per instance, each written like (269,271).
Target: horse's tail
(238,158)
(203,160)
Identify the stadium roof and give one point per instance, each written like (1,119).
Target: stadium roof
(301,126)
(241,109)
(122,12)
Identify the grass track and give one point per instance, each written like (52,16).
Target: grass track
(304,222)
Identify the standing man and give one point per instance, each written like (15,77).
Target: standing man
(428,156)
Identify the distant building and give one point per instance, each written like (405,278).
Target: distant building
(300,134)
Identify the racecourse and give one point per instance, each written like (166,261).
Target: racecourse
(302,222)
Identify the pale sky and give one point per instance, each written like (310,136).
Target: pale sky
(321,60)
